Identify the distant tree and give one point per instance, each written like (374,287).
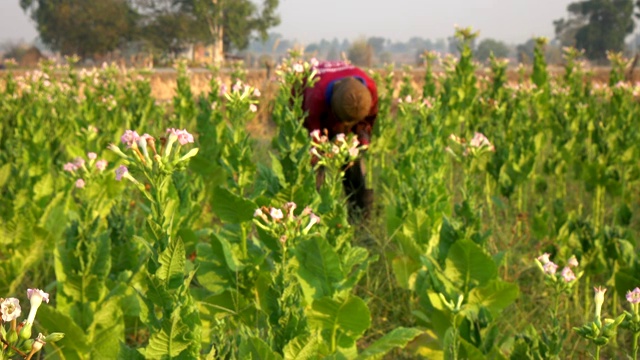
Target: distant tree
(488,46)
(226,24)
(566,29)
(85,28)
(360,53)
(377,43)
(312,48)
(525,51)
(607,24)
(333,54)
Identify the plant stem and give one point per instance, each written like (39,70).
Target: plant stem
(635,345)
(597,352)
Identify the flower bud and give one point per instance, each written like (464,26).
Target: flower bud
(53,337)
(599,300)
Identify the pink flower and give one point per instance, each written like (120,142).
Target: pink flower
(256,92)
(120,171)
(480,140)
(573,262)
(101,164)
(223,89)
(129,137)
(78,162)
(183,135)
(544,258)
(550,268)
(237,86)
(92,155)
(340,138)
(37,294)
(298,68)
(276,214)
(70,167)
(10,309)
(315,134)
(353,152)
(634,296)
(80,183)
(253,108)
(35,297)
(567,274)
(314,62)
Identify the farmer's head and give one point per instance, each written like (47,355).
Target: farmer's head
(351,101)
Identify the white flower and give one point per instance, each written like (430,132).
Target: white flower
(35,297)
(544,258)
(276,214)
(10,308)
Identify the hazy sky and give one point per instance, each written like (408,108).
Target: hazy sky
(513,21)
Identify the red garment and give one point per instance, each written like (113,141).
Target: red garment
(317,100)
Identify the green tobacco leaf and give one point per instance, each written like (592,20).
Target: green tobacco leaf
(397,338)
(319,267)
(470,352)
(74,339)
(230,207)
(107,330)
(495,296)
(127,353)
(303,347)
(403,268)
(172,261)
(350,316)
(467,264)
(255,348)
(171,340)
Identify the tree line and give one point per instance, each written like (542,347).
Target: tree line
(89,28)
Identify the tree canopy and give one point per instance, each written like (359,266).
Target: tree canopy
(91,27)
(488,46)
(82,27)
(596,26)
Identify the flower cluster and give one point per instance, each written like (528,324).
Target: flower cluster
(163,158)
(336,153)
(478,145)
(549,268)
(240,96)
(17,340)
(86,169)
(283,223)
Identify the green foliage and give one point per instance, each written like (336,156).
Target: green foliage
(84,28)
(487,47)
(598,26)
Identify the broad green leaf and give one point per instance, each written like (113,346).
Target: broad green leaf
(303,347)
(107,330)
(127,353)
(44,187)
(52,320)
(468,265)
(495,296)
(319,267)
(470,352)
(172,262)
(230,207)
(349,316)
(255,348)
(171,340)
(403,268)
(397,338)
